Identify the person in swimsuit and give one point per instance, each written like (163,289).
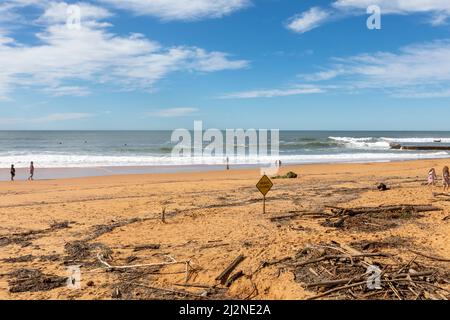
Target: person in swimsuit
(13,172)
(446,178)
(31,171)
(432,177)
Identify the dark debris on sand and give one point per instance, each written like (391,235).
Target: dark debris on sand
(84,253)
(24,239)
(372,219)
(33,280)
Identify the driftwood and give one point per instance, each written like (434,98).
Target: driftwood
(436,194)
(300,214)
(226,273)
(383,209)
(351,278)
(202,286)
(147,247)
(393,277)
(284,217)
(233,278)
(342,256)
(180,292)
(430,256)
(108,266)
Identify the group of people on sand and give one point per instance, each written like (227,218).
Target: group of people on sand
(31,171)
(432,178)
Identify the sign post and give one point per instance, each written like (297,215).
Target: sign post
(264,185)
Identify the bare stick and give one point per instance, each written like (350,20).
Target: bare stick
(108,266)
(348,256)
(336,289)
(233,278)
(168,290)
(224,275)
(429,256)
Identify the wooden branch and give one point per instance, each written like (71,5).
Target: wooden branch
(337,289)
(436,194)
(225,274)
(108,266)
(383,209)
(202,286)
(147,247)
(233,278)
(283,217)
(343,256)
(430,256)
(186,293)
(397,277)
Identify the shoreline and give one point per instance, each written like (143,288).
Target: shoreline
(63,173)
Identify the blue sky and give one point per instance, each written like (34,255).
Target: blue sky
(287,64)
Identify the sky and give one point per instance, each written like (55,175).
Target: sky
(275,64)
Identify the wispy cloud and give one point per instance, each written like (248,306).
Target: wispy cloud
(185,10)
(396,6)
(74,91)
(57,12)
(173,112)
(438,12)
(423,69)
(54,117)
(62,57)
(308,20)
(272,93)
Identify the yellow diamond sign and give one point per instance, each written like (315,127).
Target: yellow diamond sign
(264,185)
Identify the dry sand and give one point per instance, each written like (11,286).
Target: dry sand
(211,218)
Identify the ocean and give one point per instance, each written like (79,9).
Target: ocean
(85,149)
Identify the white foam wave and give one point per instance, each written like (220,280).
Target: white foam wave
(417,140)
(362,143)
(383,142)
(87,161)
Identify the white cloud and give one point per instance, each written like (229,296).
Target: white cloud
(57,117)
(68,91)
(57,12)
(308,20)
(437,10)
(54,117)
(62,57)
(173,112)
(397,6)
(181,9)
(272,93)
(423,69)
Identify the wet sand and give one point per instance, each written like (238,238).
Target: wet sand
(210,219)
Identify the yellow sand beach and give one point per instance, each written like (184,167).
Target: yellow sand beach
(209,219)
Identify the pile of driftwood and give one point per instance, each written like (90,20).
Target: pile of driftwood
(374,218)
(336,271)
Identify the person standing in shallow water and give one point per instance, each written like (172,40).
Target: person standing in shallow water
(31,171)
(13,172)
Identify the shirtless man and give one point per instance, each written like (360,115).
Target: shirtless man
(31,171)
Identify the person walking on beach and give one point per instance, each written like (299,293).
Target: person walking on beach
(31,171)
(432,177)
(228,163)
(13,172)
(446,178)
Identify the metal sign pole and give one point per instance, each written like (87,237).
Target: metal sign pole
(264,205)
